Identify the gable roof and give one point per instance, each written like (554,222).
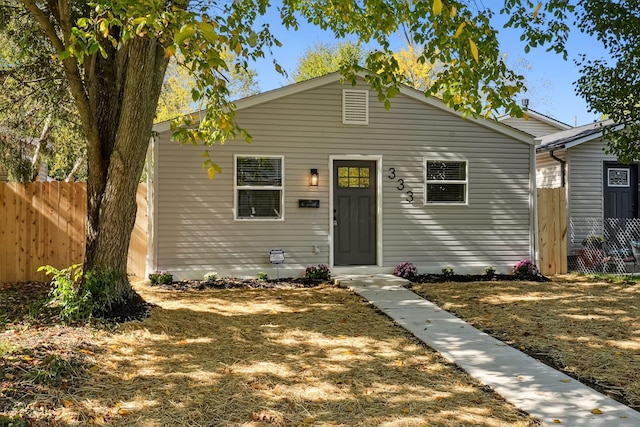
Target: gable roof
(575,136)
(334,77)
(540,117)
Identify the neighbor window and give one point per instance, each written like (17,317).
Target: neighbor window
(446,181)
(618,177)
(258,187)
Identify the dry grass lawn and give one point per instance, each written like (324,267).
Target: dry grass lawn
(287,357)
(589,329)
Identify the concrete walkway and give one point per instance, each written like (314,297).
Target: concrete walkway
(543,392)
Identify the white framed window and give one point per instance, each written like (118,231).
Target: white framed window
(258,187)
(618,177)
(355,107)
(446,181)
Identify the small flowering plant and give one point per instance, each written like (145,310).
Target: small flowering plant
(406,270)
(447,271)
(321,272)
(525,267)
(210,276)
(161,278)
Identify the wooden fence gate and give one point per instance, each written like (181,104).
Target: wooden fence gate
(43,223)
(552,231)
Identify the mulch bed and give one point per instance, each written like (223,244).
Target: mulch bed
(466,278)
(238,283)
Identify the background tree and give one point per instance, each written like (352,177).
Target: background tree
(38,121)
(324,58)
(612,86)
(113,55)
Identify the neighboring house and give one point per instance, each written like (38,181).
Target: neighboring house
(417,183)
(602,193)
(535,123)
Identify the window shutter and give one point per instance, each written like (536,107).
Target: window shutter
(355,107)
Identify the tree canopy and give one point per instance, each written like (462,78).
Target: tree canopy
(612,85)
(112,55)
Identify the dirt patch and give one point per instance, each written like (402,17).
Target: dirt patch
(587,329)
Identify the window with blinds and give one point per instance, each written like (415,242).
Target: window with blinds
(258,187)
(446,181)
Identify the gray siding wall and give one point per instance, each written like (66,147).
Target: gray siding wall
(196,231)
(548,170)
(585,189)
(531,126)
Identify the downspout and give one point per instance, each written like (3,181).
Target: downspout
(152,182)
(563,168)
(533,203)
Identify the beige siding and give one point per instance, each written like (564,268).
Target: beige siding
(548,170)
(532,126)
(196,231)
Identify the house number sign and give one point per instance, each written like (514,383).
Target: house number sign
(401,185)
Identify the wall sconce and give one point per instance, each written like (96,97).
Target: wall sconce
(313,178)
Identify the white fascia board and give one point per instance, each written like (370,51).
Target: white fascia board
(590,137)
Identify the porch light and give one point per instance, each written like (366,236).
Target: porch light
(313,178)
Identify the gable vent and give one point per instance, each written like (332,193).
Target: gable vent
(355,107)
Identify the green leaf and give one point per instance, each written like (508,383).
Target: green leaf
(185,32)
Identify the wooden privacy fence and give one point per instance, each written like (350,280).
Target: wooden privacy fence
(552,231)
(43,223)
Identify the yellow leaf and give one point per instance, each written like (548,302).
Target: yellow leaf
(556,421)
(182,342)
(123,411)
(536,10)
(474,50)
(66,403)
(453,12)
(211,172)
(596,411)
(98,419)
(406,410)
(26,357)
(437,7)
(459,30)
(309,420)
(82,350)
(565,381)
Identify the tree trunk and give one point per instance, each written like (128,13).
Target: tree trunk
(115,159)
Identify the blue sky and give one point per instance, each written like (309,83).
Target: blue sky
(549,77)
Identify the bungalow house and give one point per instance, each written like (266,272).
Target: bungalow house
(602,193)
(334,178)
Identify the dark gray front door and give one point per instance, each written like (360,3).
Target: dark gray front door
(354,212)
(620,190)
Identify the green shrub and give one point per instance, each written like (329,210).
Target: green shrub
(263,276)
(65,294)
(490,271)
(78,302)
(447,271)
(161,278)
(210,276)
